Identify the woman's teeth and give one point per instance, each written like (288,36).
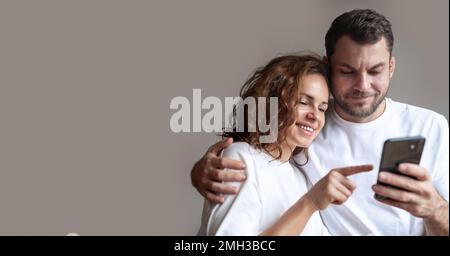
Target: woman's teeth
(309,129)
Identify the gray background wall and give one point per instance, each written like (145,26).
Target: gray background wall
(85,86)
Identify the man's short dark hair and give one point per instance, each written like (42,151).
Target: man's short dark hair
(363,26)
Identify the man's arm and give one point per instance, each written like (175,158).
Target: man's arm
(438,223)
(418,197)
(208,174)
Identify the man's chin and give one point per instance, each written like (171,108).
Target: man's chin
(359,110)
(360,103)
(362,106)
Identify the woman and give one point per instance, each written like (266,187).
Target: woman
(274,199)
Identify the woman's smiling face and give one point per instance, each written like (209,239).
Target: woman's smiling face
(309,111)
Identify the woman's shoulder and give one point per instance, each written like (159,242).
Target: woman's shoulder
(238,147)
(242,151)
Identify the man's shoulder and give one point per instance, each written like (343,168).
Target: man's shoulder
(412,113)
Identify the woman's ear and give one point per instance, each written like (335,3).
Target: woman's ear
(391,67)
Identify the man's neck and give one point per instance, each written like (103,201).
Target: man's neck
(358,119)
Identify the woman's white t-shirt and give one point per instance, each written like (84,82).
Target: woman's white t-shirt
(270,189)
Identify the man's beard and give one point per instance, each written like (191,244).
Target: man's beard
(357,112)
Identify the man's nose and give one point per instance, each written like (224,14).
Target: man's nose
(363,82)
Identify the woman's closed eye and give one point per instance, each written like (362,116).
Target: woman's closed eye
(303,103)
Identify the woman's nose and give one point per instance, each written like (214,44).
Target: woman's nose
(312,115)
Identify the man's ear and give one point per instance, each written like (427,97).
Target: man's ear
(391,67)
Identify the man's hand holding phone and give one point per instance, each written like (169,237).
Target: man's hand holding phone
(409,187)
(412,190)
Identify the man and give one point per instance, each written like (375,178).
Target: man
(359,51)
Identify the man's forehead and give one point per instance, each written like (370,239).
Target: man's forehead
(351,53)
(369,64)
(347,43)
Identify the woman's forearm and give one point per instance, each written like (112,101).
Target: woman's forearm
(293,221)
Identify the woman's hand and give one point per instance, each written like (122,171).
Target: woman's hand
(335,187)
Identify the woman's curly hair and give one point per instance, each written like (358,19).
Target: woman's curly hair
(280,78)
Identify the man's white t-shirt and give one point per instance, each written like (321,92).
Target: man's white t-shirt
(271,188)
(342,143)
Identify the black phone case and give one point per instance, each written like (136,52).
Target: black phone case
(400,150)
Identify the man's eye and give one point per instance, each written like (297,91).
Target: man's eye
(303,103)
(347,72)
(374,72)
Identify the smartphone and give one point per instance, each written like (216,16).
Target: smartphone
(400,150)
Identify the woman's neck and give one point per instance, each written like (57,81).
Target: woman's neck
(286,152)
